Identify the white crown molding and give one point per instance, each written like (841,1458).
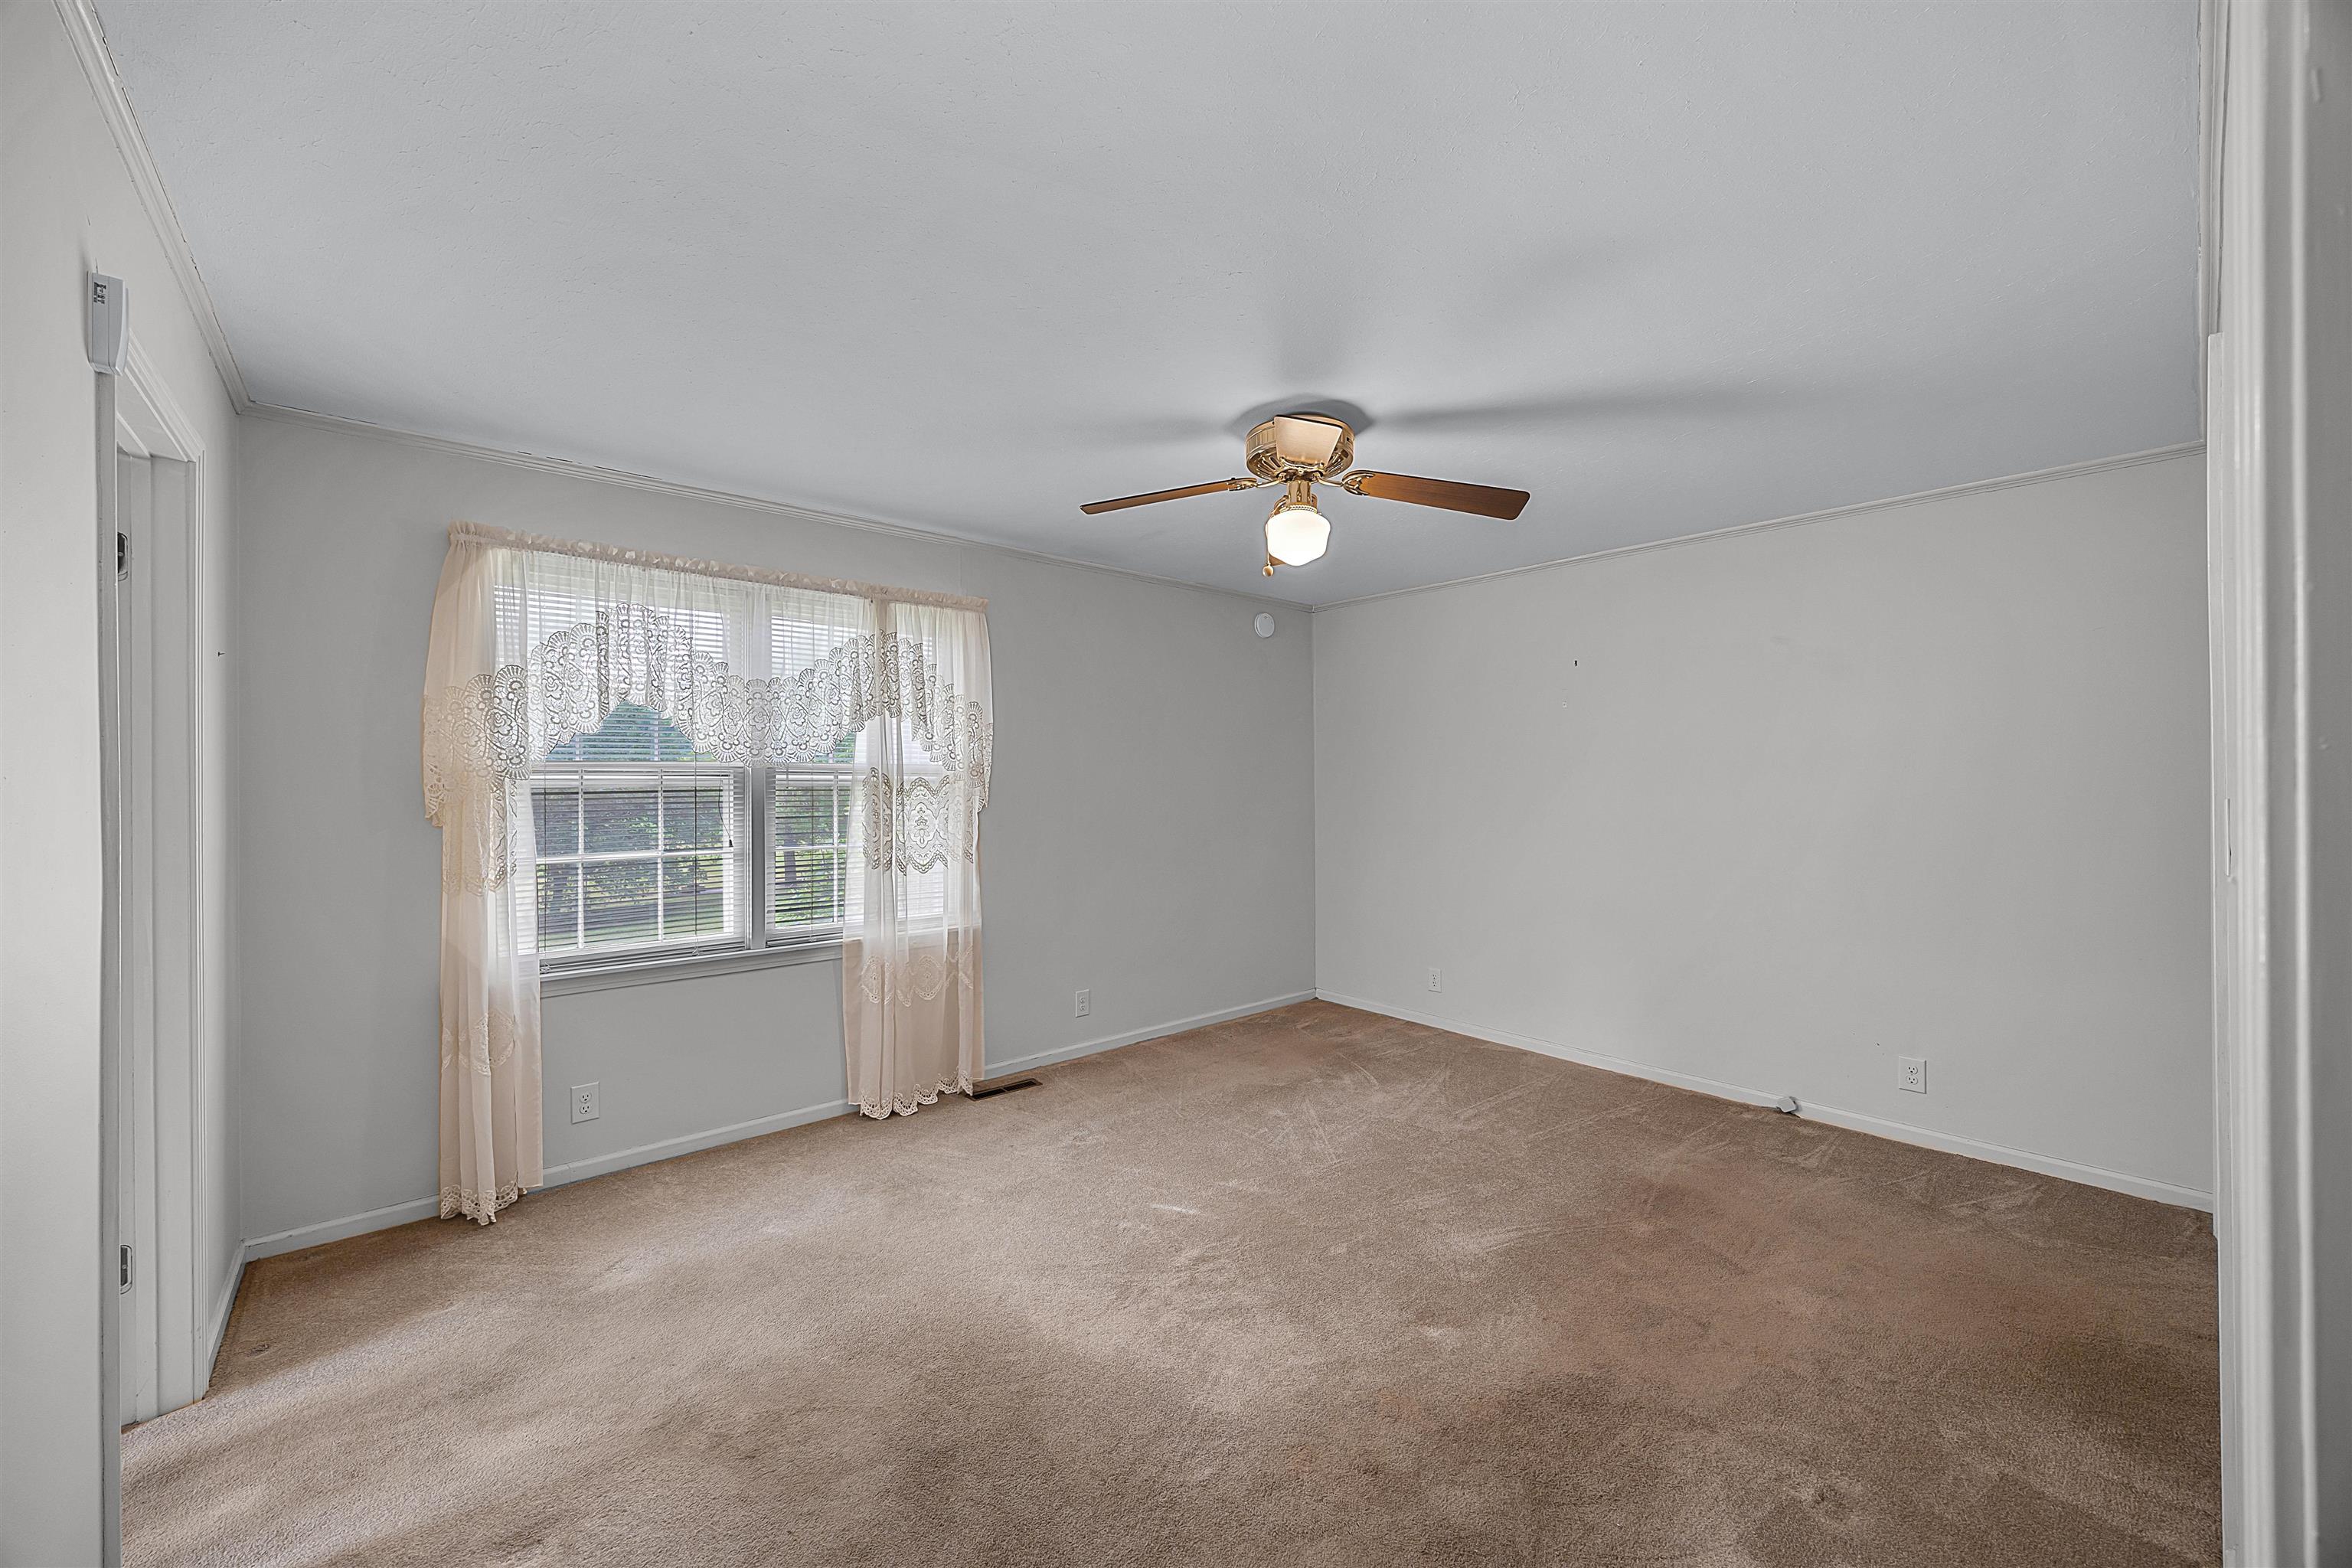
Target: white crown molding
(578,470)
(89,37)
(1859,509)
(569,468)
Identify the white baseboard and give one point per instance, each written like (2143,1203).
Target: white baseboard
(1137,1037)
(326,1230)
(215,1327)
(693,1143)
(1901,1132)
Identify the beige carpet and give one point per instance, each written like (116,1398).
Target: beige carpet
(1313,1288)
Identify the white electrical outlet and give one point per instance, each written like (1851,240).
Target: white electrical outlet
(583,1102)
(1434,985)
(1084,1004)
(1911,1073)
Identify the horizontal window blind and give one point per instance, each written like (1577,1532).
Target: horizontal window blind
(638,840)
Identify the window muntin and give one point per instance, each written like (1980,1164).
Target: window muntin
(806,859)
(647,850)
(638,840)
(808,856)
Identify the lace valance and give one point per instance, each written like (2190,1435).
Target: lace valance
(538,641)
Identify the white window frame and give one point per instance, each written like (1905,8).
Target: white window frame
(564,960)
(758,939)
(771,935)
(757,942)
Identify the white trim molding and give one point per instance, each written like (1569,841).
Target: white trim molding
(759,1127)
(568,468)
(170,772)
(1855,1120)
(571,469)
(216,1326)
(2280,558)
(324,1231)
(1802,520)
(1035,1060)
(89,37)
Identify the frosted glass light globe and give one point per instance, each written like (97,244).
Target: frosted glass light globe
(1296,534)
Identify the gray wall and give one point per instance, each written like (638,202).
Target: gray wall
(70,207)
(1149,836)
(1771,809)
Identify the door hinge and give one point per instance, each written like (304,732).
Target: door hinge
(122,555)
(126,1268)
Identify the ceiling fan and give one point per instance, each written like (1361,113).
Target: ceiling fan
(1294,451)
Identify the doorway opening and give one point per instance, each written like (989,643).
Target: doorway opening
(164,1019)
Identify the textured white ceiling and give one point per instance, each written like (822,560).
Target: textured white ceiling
(1670,266)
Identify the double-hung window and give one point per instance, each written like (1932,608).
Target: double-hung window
(645,762)
(651,850)
(641,844)
(648,849)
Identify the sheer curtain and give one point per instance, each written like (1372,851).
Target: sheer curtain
(536,641)
(911,989)
(477,755)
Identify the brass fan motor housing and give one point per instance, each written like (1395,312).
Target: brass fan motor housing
(1300,446)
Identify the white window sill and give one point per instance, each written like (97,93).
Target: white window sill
(654,970)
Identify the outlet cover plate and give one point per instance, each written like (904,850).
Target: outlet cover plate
(1434,980)
(1084,1004)
(1911,1073)
(584,1103)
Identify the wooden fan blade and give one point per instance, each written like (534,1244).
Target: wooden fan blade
(1096,506)
(1454,496)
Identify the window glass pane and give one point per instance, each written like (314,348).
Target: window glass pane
(925,894)
(622,904)
(805,881)
(693,812)
(558,891)
(637,853)
(807,887)
(676,748)
(797,645)
(619,818)
(807,812)
(630,735)
(555,812)
(694,896)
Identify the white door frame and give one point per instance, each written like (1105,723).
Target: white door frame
(2279,450)
(158,1042)
(134,892)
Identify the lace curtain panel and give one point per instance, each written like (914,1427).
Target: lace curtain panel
(536,641)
